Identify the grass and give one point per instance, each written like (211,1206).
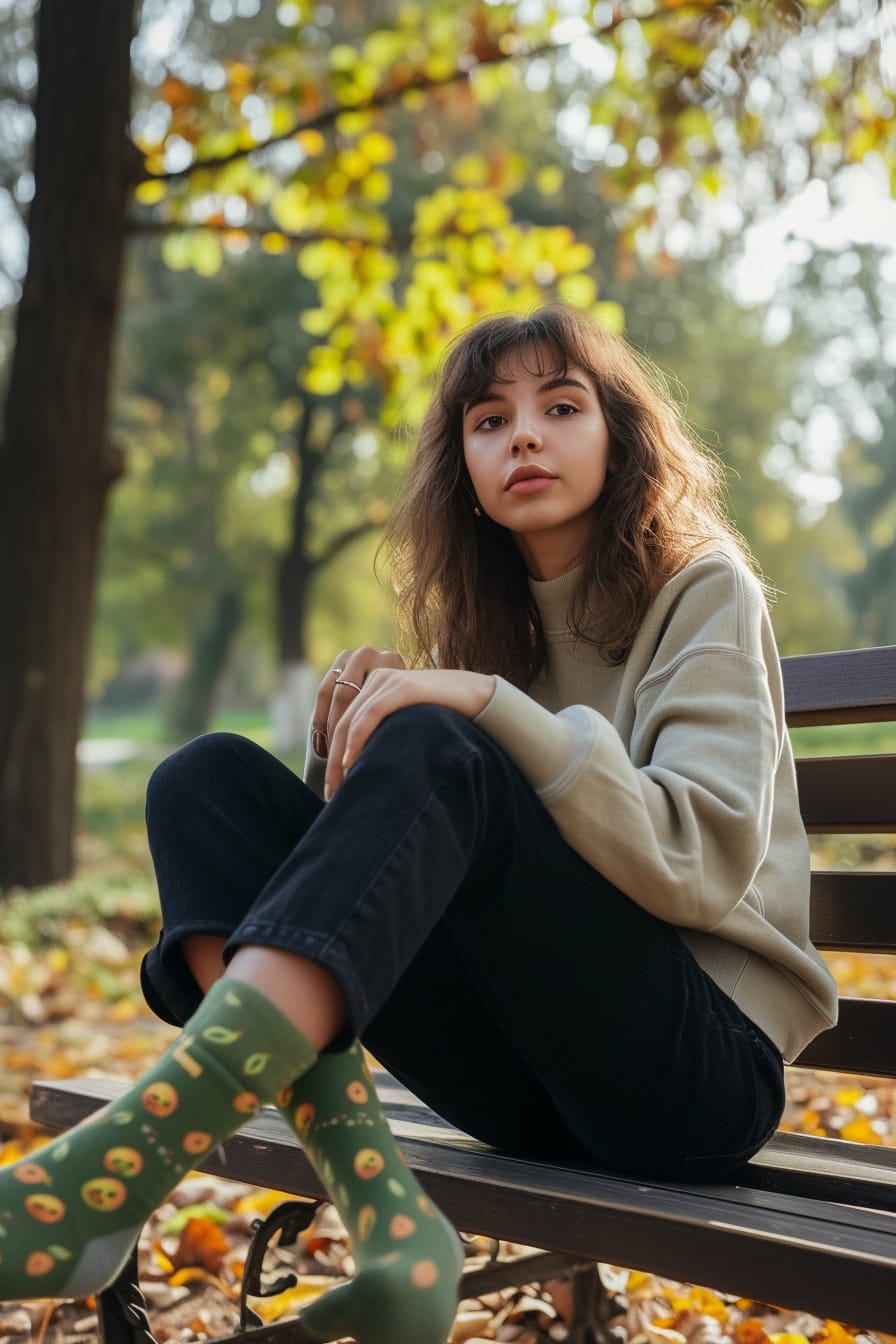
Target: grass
(147,725)
(844,739)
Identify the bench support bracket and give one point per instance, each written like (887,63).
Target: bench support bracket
(123,1319)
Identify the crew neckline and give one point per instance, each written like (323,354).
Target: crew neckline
(553,598)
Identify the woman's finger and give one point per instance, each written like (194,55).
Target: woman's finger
(352,678)
(321,711)
(386,690)
(389,689)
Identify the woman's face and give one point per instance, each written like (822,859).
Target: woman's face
(537,450)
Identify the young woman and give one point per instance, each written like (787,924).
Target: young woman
(559,884)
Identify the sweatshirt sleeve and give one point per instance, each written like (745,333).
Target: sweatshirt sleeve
(679,818)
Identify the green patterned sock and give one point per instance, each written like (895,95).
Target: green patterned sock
(408,1257)
(69,1215)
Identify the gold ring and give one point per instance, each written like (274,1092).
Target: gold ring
(337,670)
(354,685)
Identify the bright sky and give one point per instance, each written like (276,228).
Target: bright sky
(864,213)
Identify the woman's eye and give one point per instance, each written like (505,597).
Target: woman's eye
(564,409)
(489,422)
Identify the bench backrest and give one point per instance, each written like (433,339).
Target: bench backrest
(851,910)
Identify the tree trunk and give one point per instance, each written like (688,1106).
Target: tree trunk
(293,697)
(56,464)
(194,698)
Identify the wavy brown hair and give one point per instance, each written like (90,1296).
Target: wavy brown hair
(461,581)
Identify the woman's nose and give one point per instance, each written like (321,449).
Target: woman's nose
(525,436)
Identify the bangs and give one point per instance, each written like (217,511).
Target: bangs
(543,345)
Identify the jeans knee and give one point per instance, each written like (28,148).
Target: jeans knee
(429,735)
(431,725)
(193,767)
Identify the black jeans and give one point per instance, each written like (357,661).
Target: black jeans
(485,964)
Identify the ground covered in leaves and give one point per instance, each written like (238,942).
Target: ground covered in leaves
(69,1006)
(71,1010)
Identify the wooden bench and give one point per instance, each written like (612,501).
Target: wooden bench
(811,1224)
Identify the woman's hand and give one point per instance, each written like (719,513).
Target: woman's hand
(340,686)
(387,689)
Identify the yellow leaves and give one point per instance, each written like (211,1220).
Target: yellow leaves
(384,46)
(343,58)
(293,1299)
(240,78)
(312,142)
(711,180)
(196,249)
(282,118)
(500,172)
(578,290)
(860,1131)
(324,375)
(377,148)
(439,65)
(835,1334)
(549,180)
(260,1202)
(701,1300)
(471,170)
(352,163)
(573,257)
(275,244)
(376,187)
(468,210)
(316,321)
(289,207)
(150,193)
(318,259)
(863,975)
(609,315)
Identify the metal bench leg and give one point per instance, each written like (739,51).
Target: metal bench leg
(592,1307)
(121,1309)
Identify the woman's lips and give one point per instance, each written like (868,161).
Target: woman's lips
(530,485)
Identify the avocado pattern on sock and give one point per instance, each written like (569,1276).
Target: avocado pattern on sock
(408,1256)
(70,1214)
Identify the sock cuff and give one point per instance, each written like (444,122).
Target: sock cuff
(291,1053)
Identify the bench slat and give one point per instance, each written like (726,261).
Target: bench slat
(848,793)
(863,1041)
(809,1166)
(835,1260)
(851,686)
(854,911)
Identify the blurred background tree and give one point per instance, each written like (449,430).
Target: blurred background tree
(329,193)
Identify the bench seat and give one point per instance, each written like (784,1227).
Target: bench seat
(777,1236)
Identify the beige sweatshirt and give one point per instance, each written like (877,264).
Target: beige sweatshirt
(673,775)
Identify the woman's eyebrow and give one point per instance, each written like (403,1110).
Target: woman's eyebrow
(494,394)
(563,382)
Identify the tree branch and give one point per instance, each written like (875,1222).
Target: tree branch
(325,119)
(394,241)
(339,544)
(151,226)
